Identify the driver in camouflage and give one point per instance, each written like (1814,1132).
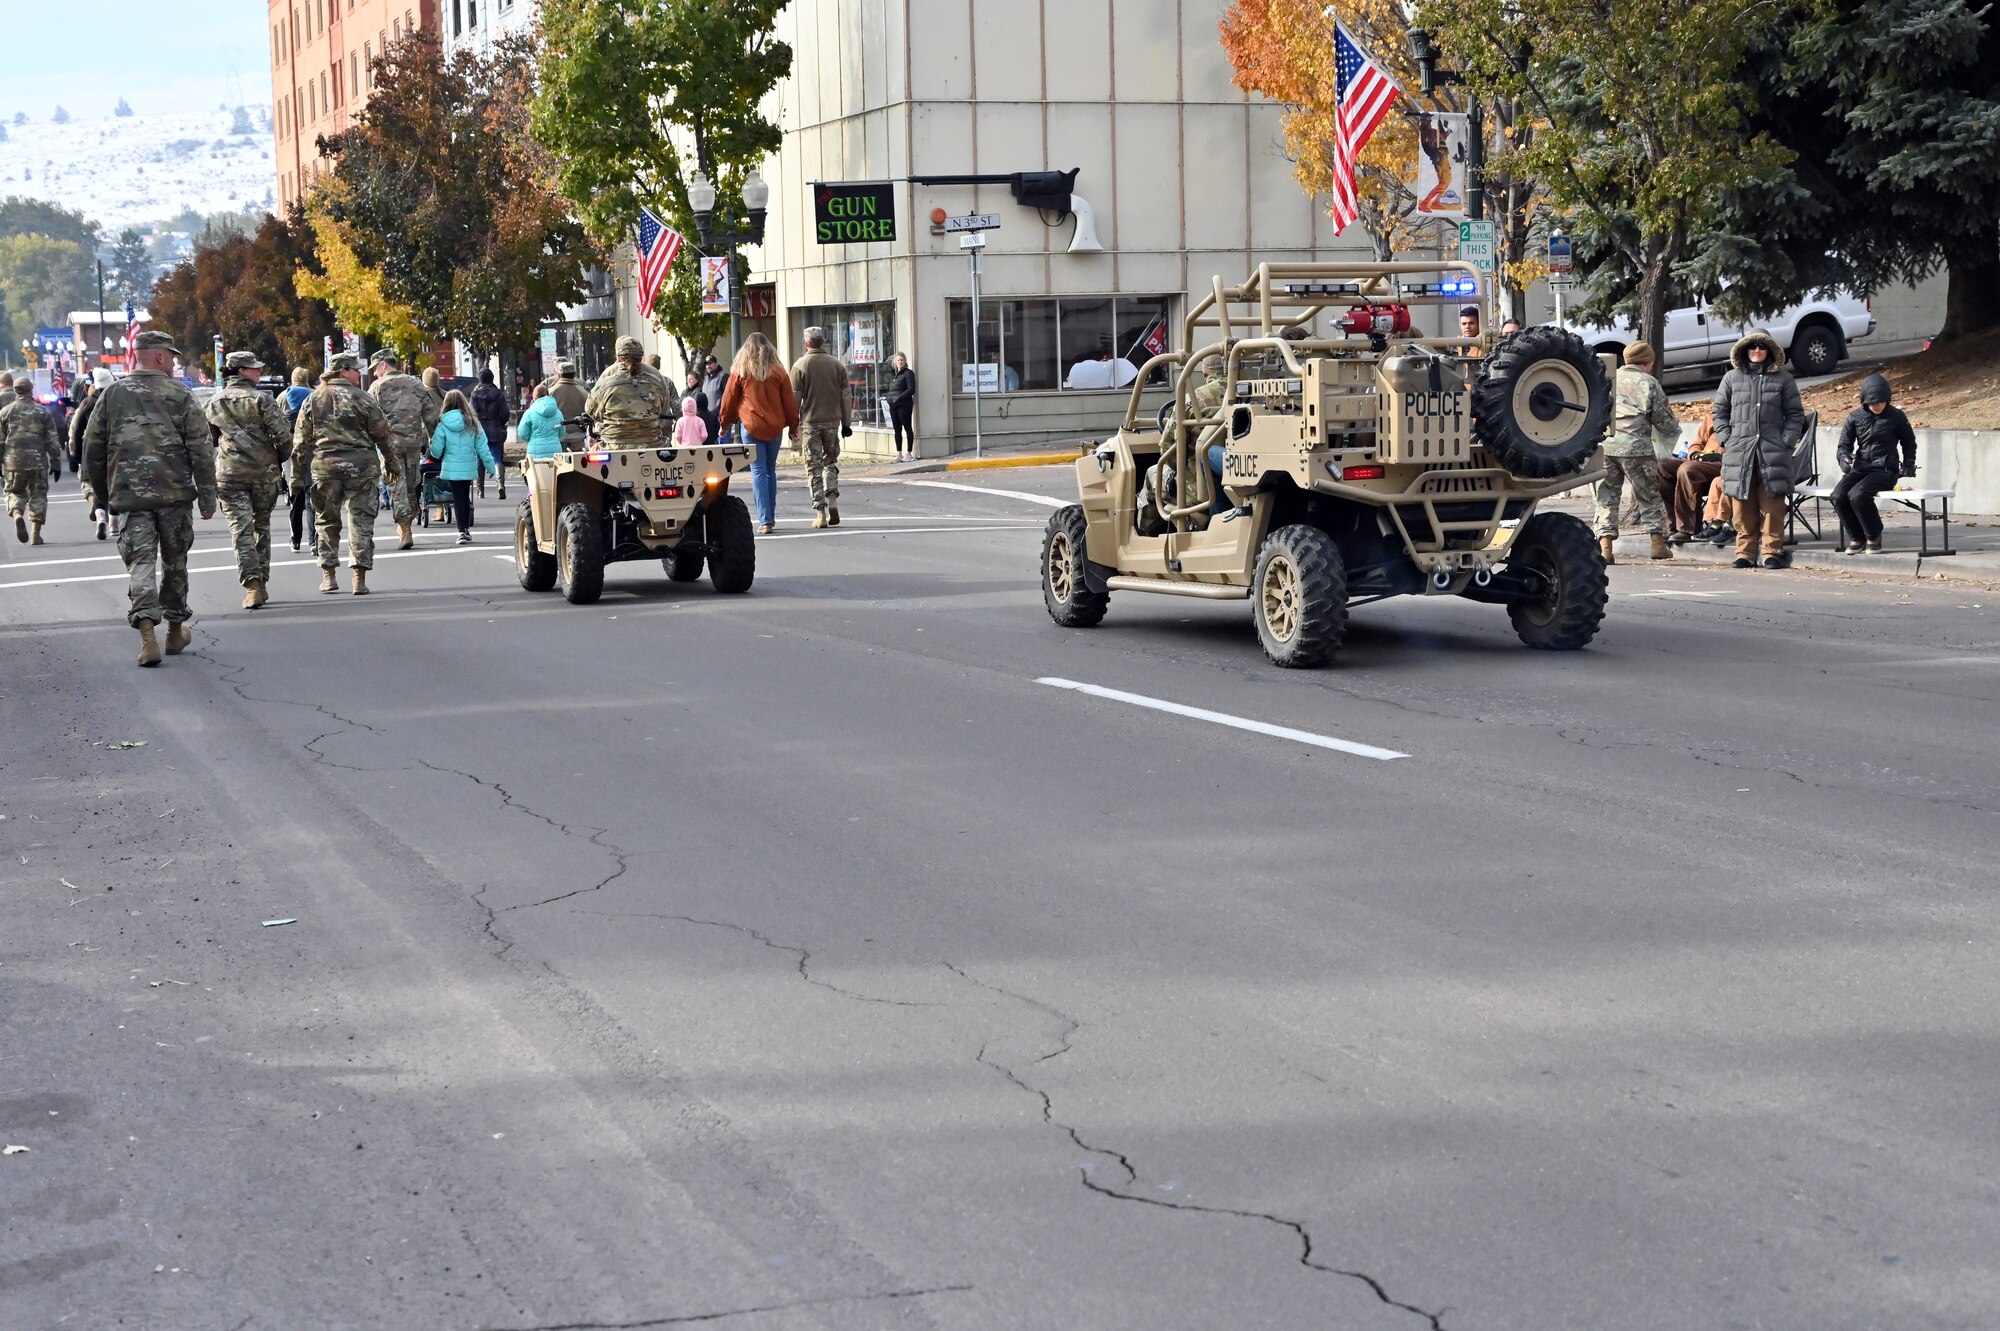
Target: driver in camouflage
(339,435)
(252,443)
(1639,417)
(629,404)
(412,412)
(32,452)
(149,455)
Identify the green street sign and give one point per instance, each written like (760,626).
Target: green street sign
(1478,244)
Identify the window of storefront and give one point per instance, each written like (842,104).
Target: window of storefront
(1067,344)
(861,337)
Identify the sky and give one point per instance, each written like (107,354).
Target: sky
(166,55)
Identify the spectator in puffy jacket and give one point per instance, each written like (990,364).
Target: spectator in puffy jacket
(541,427)
(460,448)
(1759,417)
(489,405)
(1874,434)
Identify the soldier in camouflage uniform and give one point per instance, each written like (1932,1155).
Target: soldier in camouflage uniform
(629,403)
(148,453)
(571,400)
(32,451)
(253,442)
(1639,416)
(412,412)
(339,435)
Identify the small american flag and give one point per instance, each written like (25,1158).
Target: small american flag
(658,244)
(131,331)
(1363,95)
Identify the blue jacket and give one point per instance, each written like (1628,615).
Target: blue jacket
(541,428)
(295,397)
(460,448)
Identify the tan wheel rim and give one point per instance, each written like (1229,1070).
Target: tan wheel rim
(520,545)
(562,552)
(1565,379)
(1281,598)
(1061,571)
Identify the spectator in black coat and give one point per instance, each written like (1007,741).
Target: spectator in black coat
(489,408)
(1869,443)
(902,399)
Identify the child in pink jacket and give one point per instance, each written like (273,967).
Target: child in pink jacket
(690,431)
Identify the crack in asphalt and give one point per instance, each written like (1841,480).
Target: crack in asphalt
(803,955)
(1435,1320)
(226,676)
(687,1318)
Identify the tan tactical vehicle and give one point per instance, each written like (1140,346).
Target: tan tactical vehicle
(599,506)
(1375,463)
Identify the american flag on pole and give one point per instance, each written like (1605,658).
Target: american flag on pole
(658,244)
(131,331)
(1363,95)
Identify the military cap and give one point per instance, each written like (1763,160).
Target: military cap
(346,360)
(153,340)
(384,356)
(24,386)
(243,360)
(630,346)
(566,367)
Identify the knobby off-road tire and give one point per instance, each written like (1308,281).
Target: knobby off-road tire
(1541,403)
(732,560)
(1562,549)
(579,554)
(682,564)
(1065,584)
(537,571)
(1298,596)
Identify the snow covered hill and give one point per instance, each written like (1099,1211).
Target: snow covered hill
(142,169)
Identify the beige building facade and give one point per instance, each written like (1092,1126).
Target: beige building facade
(321,52)
(1186,176)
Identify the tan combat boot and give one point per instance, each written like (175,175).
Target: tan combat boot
(326,582)
(1609,545)
(20,529)
(1661,550)
(253,593)
(832,514)
(819,519)
(405,538)
(360,582)
(178,638)
(35,532)
(149,646)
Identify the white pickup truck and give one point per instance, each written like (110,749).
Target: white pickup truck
(1815,335)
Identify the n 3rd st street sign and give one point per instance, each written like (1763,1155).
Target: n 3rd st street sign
(854,214)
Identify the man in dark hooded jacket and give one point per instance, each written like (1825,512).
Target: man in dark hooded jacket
(1758,416)
(1869,442)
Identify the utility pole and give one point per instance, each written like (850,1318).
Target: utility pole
(974,245)
(100,311)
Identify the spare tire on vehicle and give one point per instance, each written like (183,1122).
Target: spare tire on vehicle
(1541,403)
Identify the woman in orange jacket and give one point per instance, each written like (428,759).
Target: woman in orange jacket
(760,398)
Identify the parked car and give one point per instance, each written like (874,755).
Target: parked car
(1815,335)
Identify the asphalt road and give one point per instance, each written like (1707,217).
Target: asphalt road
(806,959)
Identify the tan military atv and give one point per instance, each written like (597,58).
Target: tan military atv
(1353,468)
(599,506)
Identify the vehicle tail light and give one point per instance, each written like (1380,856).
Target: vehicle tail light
(1372,471)
(714,480)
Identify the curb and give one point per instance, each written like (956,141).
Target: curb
(1898,567)
(1018,460)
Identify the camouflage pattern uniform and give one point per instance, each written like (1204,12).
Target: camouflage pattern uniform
(629,405)
(820,383)
(149,454)
(1639,415)
(412,413)
(28,435)
(253,444)
(340,433)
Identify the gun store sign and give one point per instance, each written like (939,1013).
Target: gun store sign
(854,214)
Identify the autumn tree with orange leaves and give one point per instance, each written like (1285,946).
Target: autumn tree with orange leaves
(1283,49)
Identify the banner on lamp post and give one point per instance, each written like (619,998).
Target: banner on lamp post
(1441,158)
(715,284)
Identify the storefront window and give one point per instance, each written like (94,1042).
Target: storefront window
(1071,343)
(861,337)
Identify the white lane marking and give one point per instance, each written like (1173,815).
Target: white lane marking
(899,531)
(231,568)
(1634,595)
(969,489)
(1224,719)
(93,559)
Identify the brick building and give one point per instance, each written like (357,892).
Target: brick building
(321,52)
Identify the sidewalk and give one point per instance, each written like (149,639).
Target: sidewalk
(1976,541)
(1016,455)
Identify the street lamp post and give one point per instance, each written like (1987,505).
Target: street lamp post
(1430,78)
(734,232)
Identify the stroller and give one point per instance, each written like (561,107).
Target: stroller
(434,497)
